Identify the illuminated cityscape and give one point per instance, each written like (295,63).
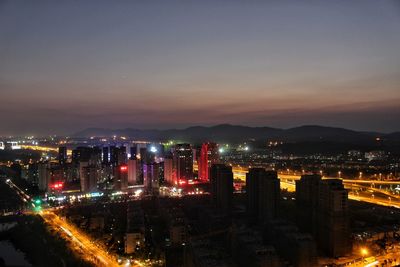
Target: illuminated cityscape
(200,133)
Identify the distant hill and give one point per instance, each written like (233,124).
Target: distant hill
(237,133)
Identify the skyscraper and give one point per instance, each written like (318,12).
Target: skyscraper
(322,207)
(81,153)
(87,154)
(133,151)
(43,176)
(132,171)
(168,169)
(183,162)
(113,155)
(208,156)
(105,155)
(89,178)
(118,155)
(151,177)
(121,177)
(221,178)
(62,155)
(307,189)
(83,175)
(263,194)
(333,222)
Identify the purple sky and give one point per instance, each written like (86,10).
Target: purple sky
(69,65)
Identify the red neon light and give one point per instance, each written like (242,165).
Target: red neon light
(123,168)
(57,185)
(182,182)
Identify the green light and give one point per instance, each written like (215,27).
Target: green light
(37,209)
(38,201)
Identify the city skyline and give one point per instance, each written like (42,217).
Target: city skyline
(69,66)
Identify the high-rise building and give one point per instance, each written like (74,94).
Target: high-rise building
(333,221)
(121,156)
(143,154)
(105,155)
(43,176)
(151,177)
(168,170)
(307,189)
(81,154)
(113,155)
(323,211)
(89,177)
(62,155)
(133,151)
(121,177)
(263,194)
(118,155)
(269,196)
(297,248)
(183,163)
(221,178)
(86,154)
(83,175)
(132,171)
(208,155)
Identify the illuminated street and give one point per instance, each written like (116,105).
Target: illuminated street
(79,241)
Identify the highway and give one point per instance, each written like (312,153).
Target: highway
(78,240)
(44,148)
(359,189)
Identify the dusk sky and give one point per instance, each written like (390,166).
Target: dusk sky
(69,65)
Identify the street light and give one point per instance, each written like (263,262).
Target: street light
(339,173)
(364,252)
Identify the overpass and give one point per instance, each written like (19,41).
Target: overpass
(359,189)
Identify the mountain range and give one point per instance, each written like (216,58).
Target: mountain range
(237,133)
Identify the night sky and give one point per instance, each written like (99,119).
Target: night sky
(70,65)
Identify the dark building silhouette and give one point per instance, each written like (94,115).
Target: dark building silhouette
(221,178)
(81,154)
(143,154)
(307,202)
(62,155)
(121,155)
(133,151)
(151,177)
(262,194)
(118,155)
(333,222)
(296,247)
(322,207)
(105,155)
(113,155)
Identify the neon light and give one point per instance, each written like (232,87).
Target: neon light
(123,168)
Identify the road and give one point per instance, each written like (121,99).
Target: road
(360,189)
(78,240)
